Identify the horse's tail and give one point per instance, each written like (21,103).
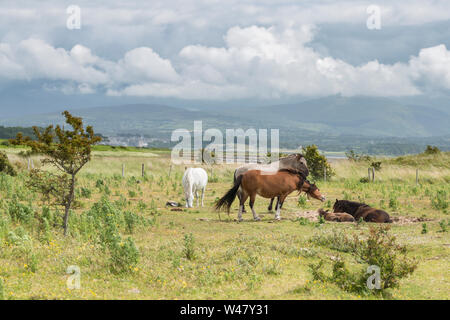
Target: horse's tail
(228,198)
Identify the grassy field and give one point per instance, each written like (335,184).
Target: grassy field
(191,254)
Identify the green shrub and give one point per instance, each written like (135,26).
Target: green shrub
(443,224)
(393,202)
(376,165)
(86,192)
(124,255)
(5,165)
(301,201)
(20,212)
(378,249)
(432,150)
(424,228)
(440,200)
(189,247)
(317,163)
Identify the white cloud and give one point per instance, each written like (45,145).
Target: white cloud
(255,62)
(432,66)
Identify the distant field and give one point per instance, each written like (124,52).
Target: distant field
(248,260)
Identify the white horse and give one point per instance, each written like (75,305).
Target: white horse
(194,180)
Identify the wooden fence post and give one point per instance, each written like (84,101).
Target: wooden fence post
(325,174)
(417,177)
(143,170)
(368,174)
(373,174)
(123,170)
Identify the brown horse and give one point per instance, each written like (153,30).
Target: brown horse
(279,185)
(361,210)
(336,216)
(294,161)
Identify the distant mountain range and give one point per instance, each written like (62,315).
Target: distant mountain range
(332,116)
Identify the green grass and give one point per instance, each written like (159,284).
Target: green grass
(223,259)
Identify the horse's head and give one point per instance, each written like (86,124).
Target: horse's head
(297,162)
(312,190)
(338,206)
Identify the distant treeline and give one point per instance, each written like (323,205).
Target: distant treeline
(11,132)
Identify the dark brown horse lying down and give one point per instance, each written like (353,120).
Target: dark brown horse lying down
(361,210)
(336,216)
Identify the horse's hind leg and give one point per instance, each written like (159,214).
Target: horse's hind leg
(252,202)
(239,195)
(196,196)
(241,205)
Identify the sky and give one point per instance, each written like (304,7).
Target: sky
(218,52)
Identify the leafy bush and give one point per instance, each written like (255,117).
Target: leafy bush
(378,249)
(301,201)
(189,246)
(85,192)
(432,150)
(443,224)
(440,200)
(376,165)
(393,202)
(317,162)
(5,165)
(20,212)
(124,255)
(353,156)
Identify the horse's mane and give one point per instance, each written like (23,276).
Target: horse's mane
(293,171)
(300,174)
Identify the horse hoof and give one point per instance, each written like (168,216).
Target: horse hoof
(257,219)
(278,218)
(240,220)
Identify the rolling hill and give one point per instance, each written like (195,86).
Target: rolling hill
(334,115)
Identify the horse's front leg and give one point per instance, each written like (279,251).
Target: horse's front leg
(252,202)
(277,208)
(270,205)
(280,202)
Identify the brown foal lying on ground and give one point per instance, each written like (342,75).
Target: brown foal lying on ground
(361,211)
(279,184)
(336,216)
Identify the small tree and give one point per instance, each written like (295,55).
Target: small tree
(67,150)
(317,163)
